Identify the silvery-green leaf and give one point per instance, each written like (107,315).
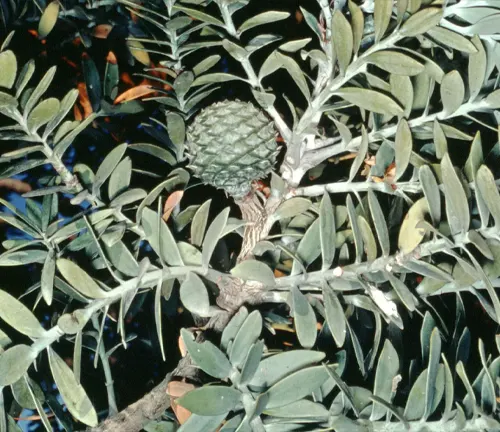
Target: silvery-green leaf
(39,90)
(254,270)
(457,206)
(449,389)
(48,19)
(431,192)
(119,181)
(213,235)
(470,391)
(360,156)
(379,222)
(291,207)
(452,39)
(67,139)
(396,63)
(387,369)
(356,232)
(107,166)
(232,328)
(452,92)
(475,159)
(381,17)
(271,64)
(358,24)
(488,396)
(334,315)
(369,243)
(252,362)
(312,22)
(295,45)
(128,197)
(477,68)
(194,295)
(48,274)
(14,363)
(421,22)
(210,400)
(14,313)
(440,141)
(72,393)
(432,372)
(202,16)
(191,256)
(276,367)
(207,356)
(79,279)
(263,18)
(22,394)
(295,387)
(182,84)
(302,409)
(247,334)
(342,40)
(199,223)
(22,257)
(309,248)
(216,77)
(403,147)
(158,317)
(402,90)
(160,238)
(370,100)
(489,192)
(297,74)
(24,77)
(176,131)
(8,66)
(206,64)
(427,269)
(155,151)
(197,422)
(327,231)
(304,318)
(415,404)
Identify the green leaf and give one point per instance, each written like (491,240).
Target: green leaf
(92,82)
(327,231)
(272,63)
(294,387)
(7,103)
(263,18)
(206,64)
(295,45)
(128,197)
(370,100)
(107,166)
(18,316)
(312,22)
(415,404)
(387,369)
(300,409)
(309,247)
(48,19)
(254,270)
(22,257)
(210,400)
(72,392)
(14,363)
(22,394)
(202,16)
(381,18)
(457,206)
(213,235)
(199,223)
(478,64)
(421,22)
(8,66)
(334,315)
(396,63)
(356,232)
(194,295)
(232,328)
(245,338)
(369,243)
(202,423)
(440,142)
(79,279)
(217,77)
(276,367)
(207,356)
(379,222)
(452,92)
(342,40)
(296,73)
(68,139)
(155,151)
(431,192)
(427,269)
(24,77)
(176,131)
(489,192)
(304,318)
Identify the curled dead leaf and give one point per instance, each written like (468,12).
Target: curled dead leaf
(172,201)
(176,389)
(134,93)
(102,31)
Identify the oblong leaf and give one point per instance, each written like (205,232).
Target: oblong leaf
(15,362)
(381,17)
(263,18)
(421,22)
(213,235)
(8,66)
(342,39)
(210,400)
(457,205)
(48,19)
(387,369)
(370,100)
(254,270)
(14,313)
(194,295)
(396,63)
(79,279)
(452,92)
(304,318)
